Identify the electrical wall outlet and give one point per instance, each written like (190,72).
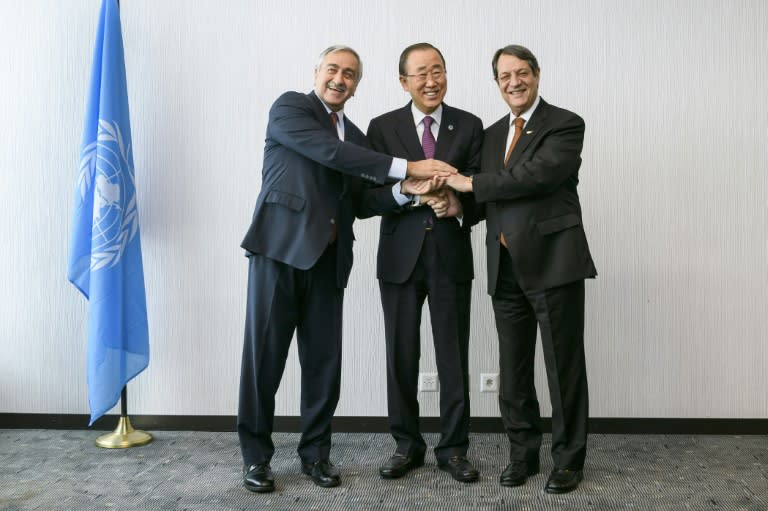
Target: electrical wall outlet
(428,382)
(489,382)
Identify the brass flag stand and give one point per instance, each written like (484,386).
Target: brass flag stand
(124,436)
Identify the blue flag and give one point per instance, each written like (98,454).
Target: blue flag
(105,250)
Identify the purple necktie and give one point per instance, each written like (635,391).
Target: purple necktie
(428,144)
(428,139)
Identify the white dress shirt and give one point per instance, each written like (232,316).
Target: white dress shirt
(526,117)
(418,121)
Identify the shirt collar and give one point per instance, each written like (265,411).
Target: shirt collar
(339,113)
(528,113)
(419,116)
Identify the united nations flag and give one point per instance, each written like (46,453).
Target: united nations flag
(105,250)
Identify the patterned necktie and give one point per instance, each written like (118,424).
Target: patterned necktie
(428,144)
(427,139)
(519,121)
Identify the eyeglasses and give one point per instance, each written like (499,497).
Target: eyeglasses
(435,74)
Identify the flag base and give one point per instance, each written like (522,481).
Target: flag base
(124,436)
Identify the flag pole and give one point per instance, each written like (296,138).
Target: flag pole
(124,436)
(105,262)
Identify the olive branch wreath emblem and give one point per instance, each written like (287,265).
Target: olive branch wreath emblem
(109,141)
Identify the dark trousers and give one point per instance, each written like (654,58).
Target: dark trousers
(559,313)
(449,306)
(281,300)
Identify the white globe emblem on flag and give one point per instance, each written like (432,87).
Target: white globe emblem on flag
(106,173)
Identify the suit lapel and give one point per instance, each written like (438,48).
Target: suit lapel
(446,134)
(406,132)
(325,119)
(352,133)
(496,138)
(321,113)
(530,131)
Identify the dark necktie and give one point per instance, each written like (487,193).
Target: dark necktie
(519,121)
(335,122)
(428,139)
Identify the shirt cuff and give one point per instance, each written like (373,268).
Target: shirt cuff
(400,198)
(398,169)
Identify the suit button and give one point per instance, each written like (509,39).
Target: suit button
(333,220)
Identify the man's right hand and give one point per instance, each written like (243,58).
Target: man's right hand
(426,169)
(460,183)
(438,201)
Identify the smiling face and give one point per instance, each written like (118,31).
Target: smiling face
(425,79)
(518,84)
(336,79)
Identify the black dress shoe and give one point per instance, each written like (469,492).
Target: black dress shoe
(323,473)
(258,478)
(563,480)
(399,465)
(517,472)
(460,469)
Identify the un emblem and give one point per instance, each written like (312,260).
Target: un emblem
(106,174)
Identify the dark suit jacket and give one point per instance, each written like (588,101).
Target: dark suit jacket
(533,200)
(310,182)
(402,228)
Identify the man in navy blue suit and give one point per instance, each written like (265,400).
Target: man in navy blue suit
(425,254)
(299,247)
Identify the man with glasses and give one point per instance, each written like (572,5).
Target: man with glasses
(538,258)
(425,253)
(299,247)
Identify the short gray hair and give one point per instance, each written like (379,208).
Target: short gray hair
(337,48)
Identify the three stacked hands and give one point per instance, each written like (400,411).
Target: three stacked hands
(432,183)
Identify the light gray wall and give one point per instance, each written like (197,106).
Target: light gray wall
(673,188)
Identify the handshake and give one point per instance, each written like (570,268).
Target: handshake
(434,182)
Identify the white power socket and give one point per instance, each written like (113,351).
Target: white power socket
(428,382)
(489,382)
